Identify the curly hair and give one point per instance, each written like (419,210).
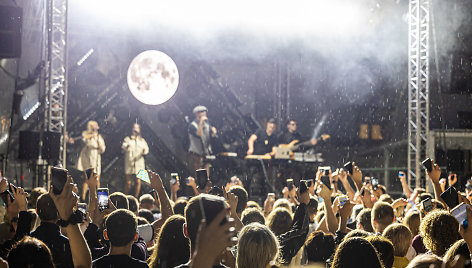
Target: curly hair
(279,221)
(439,230)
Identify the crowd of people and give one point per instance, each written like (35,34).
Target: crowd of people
(314,224)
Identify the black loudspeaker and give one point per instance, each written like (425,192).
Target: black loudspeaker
(51,146)
(29,145)
(11,20)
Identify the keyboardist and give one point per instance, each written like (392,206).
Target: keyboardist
(263,141)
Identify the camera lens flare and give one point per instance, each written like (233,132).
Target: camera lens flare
(153,77)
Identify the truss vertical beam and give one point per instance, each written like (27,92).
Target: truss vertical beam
(418,89)
(56,74)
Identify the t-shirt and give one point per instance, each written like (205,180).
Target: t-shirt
(288,137)
(118,261)
(264,142)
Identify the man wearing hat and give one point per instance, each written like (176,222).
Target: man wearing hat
(200,133)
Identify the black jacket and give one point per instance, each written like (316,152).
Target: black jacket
(294,239)
(50,234)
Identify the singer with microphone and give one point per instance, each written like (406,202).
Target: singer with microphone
(135,149)
(200,132)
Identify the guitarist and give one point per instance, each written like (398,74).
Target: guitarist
(292,134)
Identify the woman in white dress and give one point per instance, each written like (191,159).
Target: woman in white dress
(135,149)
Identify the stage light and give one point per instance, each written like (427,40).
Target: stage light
(153,77)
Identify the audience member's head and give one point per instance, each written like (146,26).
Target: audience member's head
(412,220)
(382,216)
(241,193)
(253,204)
(364,220)
(147,214)
(312,208)
(425,261)
(385,249)
(357,233)
(257,246)
(279,221)
(400,236)
(179,207)
(193,215)
(121,228)
(34,195)
(319,247)
(284,203)
(142,220)
(30,252)
(458,248)
(439,230)
(133,204)
(46,208)
(251,215)
(172,247)
(356,252)
(119,200)
(386,198)
(147,201)
(34,218)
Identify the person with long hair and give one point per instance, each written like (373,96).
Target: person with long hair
(90,155)
(135,149)
(172,248)
(257,246)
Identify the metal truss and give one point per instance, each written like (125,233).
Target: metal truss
(56,73)
(418,89)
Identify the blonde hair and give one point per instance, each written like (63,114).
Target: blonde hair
(257,246)
(400,236)
(279,221)
(413,220)
(284,203)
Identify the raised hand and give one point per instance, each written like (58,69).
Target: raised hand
(356,174)
(435,173)
(156,181)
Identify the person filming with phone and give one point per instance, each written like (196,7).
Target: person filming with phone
(135,148)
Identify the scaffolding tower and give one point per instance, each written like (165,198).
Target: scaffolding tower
(418,89)
(55,76)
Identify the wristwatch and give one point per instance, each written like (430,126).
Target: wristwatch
(75,218)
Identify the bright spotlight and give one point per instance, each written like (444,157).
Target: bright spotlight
(153,77)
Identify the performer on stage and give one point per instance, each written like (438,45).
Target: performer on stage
(90,156)
(263,141)
(292,134)
(200,132)
(135,149)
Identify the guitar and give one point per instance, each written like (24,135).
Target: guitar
(295,144)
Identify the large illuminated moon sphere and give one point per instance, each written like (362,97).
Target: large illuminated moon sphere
(153,77)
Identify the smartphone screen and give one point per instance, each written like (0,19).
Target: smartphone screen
(174,177)
(343,200)
(427,164)
(58,179)
(202,178)
(102,194)
(375,184)
(88,172)
(144,176)
(82,207)
(290,184)
(348,167)
(401,174)
(460,213)
(450,197)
